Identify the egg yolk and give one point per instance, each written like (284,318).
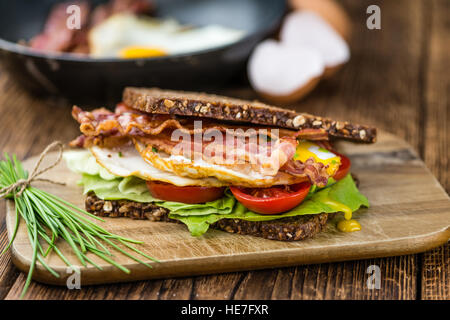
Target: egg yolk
(141,52)
(307,149)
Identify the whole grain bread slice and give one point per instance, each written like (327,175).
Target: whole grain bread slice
(286,229)
(182,103)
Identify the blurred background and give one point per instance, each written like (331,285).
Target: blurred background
(88,51)
(178,44)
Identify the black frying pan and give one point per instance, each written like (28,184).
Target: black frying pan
(86,80)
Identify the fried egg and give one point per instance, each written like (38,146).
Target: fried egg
(307,149)
(240,174)
(130,36)
(126,161)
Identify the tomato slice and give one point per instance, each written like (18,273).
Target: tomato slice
(272,200)
(189,194)
(344,168)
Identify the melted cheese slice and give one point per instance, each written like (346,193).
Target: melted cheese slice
(307,149)
(126,161)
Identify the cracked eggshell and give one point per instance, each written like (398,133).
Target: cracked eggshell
(329,10)
(306,28)
(284,73)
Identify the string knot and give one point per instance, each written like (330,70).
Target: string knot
(22,184)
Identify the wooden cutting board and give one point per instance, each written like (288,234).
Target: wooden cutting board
(409,213)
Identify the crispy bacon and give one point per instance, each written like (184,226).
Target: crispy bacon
(129,122)
(56,36)
(109,142)
(243,147)
(315,171)
(79,142)
(103,127)
(312,134)
(103,11)
(266,157)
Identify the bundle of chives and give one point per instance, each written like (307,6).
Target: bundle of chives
(49,218)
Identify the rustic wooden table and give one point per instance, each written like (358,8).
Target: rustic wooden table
(397,80)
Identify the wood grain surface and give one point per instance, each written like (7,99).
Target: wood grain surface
(397,80)
(399,221)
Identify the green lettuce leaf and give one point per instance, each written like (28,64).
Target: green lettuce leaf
(134,189)
(129,188)
(82,161)
(198,217)
(343,191)
(221,206)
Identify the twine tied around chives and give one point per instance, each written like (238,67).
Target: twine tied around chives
(24,183)
(50,219)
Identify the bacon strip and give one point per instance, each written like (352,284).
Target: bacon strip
(148,131)
(312,134)
(131,123)
(103,11)
(56,36)
(266,158)
(315,171)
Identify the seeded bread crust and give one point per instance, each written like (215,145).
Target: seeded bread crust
(286,229)
(154,100)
